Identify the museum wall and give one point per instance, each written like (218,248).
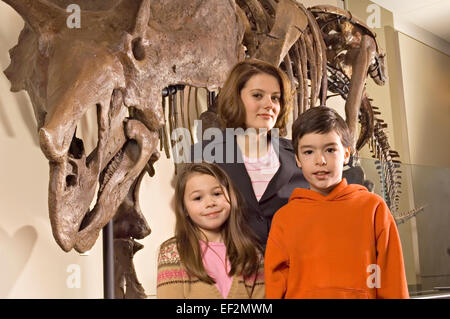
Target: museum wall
(35,267)
(426,87)
(426,84)
(415,105)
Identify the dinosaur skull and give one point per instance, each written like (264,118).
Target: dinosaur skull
(117,62)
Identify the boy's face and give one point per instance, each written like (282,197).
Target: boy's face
(322,158)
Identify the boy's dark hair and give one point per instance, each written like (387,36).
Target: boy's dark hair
(320,119)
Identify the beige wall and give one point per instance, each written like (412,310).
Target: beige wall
(426,119)
(426,82)
(33,265)
(415,105)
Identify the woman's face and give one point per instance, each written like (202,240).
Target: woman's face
(261,97)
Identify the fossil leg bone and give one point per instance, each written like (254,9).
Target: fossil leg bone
(360,68)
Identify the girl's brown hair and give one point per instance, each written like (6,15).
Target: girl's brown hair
(241,245)
(231,109)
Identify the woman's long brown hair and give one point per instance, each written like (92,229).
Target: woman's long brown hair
(241,244)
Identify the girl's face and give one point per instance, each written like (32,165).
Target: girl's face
(261,97)
(207,204)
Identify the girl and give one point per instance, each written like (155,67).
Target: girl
(213,253)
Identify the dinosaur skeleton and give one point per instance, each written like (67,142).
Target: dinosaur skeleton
(129,53)
(352,54)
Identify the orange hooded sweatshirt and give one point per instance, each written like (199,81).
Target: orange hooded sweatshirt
(343,245)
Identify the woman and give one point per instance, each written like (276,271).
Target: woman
(256,97)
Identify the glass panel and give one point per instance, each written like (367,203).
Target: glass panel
(425,238)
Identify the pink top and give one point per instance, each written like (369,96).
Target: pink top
(217,265)
(261,170)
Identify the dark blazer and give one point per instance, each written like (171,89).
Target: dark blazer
(287,178)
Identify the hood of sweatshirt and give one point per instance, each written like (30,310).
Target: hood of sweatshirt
(342,191)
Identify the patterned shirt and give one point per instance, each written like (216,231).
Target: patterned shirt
(174,282)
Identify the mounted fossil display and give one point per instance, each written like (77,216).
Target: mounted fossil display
(127,52)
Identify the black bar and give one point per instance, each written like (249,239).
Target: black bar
(108,261)
(210,100)
(180,87)
(172,89)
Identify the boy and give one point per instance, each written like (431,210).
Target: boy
(333,240)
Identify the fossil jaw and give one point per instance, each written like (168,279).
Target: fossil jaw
(66,71)
(74,182)
(123,170)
